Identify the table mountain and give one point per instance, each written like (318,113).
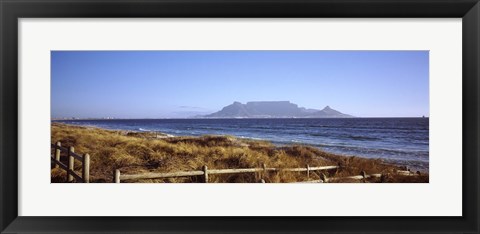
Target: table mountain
(273,109)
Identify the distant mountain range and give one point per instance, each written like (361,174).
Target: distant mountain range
(273,109)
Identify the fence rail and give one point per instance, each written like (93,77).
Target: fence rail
(69,168)
(324,179)
(363,175)
(205,172)
(118,177)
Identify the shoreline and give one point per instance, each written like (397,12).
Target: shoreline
(116,119)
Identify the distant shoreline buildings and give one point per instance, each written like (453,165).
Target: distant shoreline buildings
(76,118)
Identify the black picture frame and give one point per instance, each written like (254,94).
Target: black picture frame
(11,11)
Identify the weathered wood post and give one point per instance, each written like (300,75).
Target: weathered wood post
(262,181)
(205,173)
(57,153)
(71,162)
(323,177)
(264,166)
(116,176)
(86,168)
(364,175)
(308,172)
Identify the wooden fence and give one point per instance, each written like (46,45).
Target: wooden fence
(363,176)
(72,176)
(205,172)
(325,179)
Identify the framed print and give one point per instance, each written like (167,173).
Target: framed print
(257,116)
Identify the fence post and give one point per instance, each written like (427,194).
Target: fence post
(205,173)
(364,175)
(57,153)
(70,163)
(116,176)
(264,166)
(86,168)
(324,177)
(308,172)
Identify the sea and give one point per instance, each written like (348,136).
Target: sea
(402,141)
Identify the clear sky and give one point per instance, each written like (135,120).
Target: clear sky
(168,84)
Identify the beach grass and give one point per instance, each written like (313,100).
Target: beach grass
(140,152)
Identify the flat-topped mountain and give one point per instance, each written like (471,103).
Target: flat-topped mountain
(273,109)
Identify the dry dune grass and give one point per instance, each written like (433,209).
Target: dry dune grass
(145,152)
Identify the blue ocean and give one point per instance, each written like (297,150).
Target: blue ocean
(403,141)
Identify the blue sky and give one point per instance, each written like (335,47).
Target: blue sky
(169,84)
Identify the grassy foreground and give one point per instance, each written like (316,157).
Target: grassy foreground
(135,153)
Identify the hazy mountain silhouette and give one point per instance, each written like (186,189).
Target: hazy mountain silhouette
(273,109)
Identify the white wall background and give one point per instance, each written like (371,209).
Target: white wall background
(441,197)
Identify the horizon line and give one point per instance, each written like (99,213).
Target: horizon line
(141,118)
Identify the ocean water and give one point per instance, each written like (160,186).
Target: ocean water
(402,141)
